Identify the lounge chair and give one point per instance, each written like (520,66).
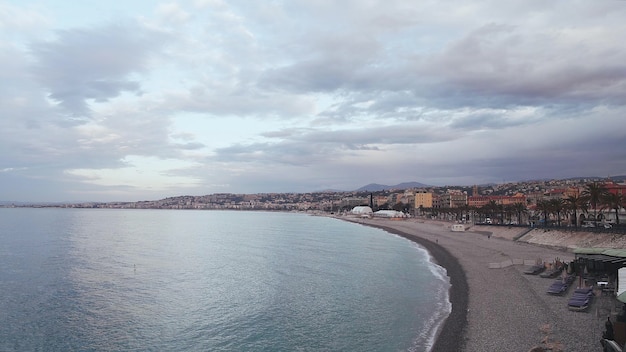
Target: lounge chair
(552,273)
(584,291)
(581,299)
(560,286)
(557,288)
(579,306)
(534,270)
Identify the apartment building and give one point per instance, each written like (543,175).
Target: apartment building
(450,199)
(480,201)
(423,200)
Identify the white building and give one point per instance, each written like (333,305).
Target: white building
(362,211)
(389,214)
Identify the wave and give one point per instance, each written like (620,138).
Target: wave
(427,337)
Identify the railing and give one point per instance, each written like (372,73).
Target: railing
(617,229)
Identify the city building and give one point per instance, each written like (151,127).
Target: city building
(481,201)
(423,200)
(450,199)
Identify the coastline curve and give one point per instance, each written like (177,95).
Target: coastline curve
(452,334)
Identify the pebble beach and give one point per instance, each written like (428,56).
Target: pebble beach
(498,307)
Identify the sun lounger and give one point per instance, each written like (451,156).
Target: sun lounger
(581,294)
(560,286)
(581,299)
(584,290)
(579,308)
(552,273)
(534,270)
(579,305)
(577,301)
(557,288)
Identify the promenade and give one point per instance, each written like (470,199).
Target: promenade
(505,310)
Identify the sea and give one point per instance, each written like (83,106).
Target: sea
(187,280)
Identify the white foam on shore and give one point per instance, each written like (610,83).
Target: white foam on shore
(428,337)
(443,307)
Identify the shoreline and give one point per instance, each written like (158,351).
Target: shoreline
(500,308)
(451,334)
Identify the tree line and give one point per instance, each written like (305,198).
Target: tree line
(594,198)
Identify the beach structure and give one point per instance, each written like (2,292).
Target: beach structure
(363,211)
(457,228)
(605,269)
(389,214)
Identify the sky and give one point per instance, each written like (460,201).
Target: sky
(142,100)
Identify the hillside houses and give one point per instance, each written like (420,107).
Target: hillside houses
(518,202)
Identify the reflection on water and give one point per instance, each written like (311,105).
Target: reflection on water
(199,280)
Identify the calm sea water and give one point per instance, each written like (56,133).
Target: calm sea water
(167,280)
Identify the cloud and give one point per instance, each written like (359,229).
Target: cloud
(172,12)
(311,147)
(499,66)
(22,19)
(309,95)
(93,64)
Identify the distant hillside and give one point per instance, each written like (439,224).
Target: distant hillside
(618,178)
(374,187)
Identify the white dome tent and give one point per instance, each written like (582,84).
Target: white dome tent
(363,211)
(389,214)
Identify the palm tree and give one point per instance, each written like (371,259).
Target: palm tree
(508,212)
(574,204)
(594,193)
(557,206)
(473,211)
(500,208)
(480,213)
(615,202)
(519,209)
(491,208)
(463,212)
(544,207)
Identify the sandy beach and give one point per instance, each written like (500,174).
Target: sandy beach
(501,309)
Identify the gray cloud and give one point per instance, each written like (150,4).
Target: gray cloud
(500,66)
(341,94)
(313,147)
(93,64)
(491,65)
